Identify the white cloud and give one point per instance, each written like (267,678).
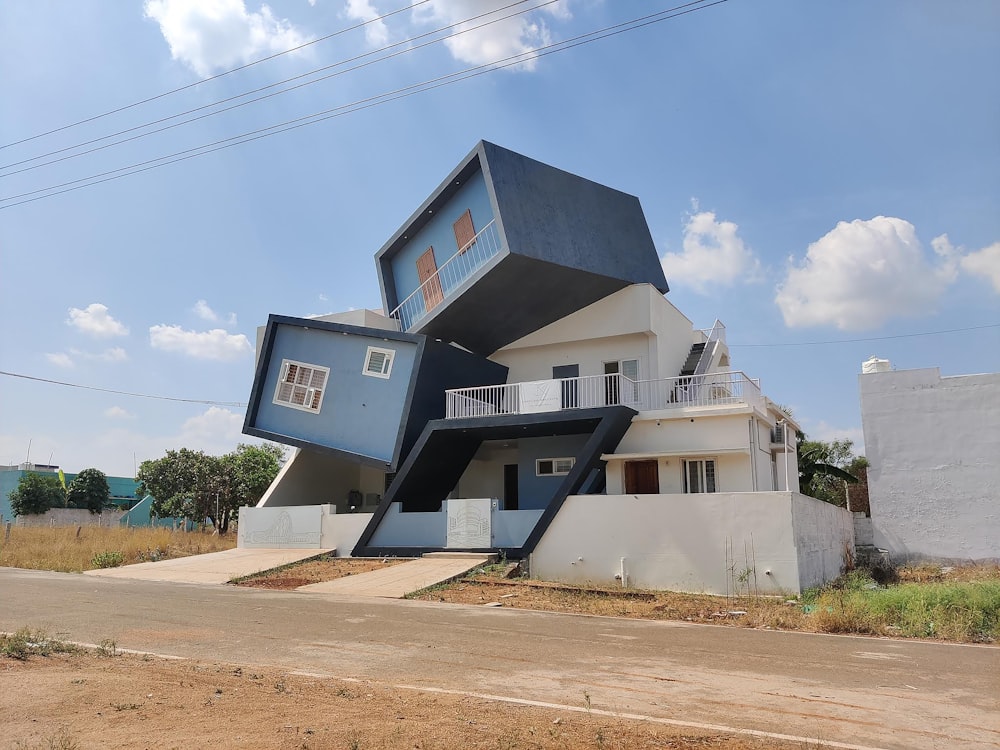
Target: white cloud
(714,255)
(203,311)
(862,273)
(985,262)
(376,32)
(215,426)
(213,35)
(511,36)
(117,412)
(114,354)
(827,433)
(95,321)
(60,359)
(214,344)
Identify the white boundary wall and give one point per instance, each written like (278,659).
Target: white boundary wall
(70,517)
(304,526)
(697,543)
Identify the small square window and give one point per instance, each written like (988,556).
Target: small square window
(378,362)
(301,386)
(554,467)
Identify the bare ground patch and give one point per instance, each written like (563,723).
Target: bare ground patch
(83,700)
(315,571)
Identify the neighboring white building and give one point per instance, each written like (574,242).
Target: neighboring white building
(933,444)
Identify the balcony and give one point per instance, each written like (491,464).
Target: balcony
(432,292)
(715,389)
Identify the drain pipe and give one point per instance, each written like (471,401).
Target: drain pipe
(622,574)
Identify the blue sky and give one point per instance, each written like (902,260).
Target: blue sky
(810,172)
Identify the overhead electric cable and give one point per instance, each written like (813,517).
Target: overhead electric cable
(404,43)
(872,338)
(237,404)
(412,5)
(368,102)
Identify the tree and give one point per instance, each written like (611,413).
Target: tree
(89,489)
(196,486)
(825,467)
(36,493)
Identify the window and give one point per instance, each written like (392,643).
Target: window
(465,232)
(553,467)
(378,362)
(301,386)
(699,476)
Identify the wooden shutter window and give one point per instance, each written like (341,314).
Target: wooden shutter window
(465,232)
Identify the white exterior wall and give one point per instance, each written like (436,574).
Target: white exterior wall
(310,478)
(697,543)
(934,448)
(304,526)
(634,323)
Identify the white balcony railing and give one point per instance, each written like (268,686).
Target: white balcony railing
(715,389)
(447,278)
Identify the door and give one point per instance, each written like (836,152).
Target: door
(570,397)
(510,487)
(642,478)
(427,272)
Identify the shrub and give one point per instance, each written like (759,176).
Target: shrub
(107,559)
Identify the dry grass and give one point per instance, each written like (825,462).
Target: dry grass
(325,568)
(62,549)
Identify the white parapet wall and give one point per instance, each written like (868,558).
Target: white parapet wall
(774,542)
(301,527)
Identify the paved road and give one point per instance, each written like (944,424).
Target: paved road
(858,691)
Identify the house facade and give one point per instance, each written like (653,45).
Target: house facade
(538,373)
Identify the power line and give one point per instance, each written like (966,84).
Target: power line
(237,404)
(406,50)
(872,338)
(366,103)
(216,76)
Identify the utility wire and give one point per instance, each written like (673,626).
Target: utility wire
(238,404)
(403,43)
(412,5)
(872,338)
(366,103)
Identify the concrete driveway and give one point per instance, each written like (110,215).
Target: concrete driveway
(214,567)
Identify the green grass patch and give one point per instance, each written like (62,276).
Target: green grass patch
(27,642)
(955,611)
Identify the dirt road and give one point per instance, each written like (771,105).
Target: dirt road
(855,691)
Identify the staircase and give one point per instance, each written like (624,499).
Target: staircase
(692,361)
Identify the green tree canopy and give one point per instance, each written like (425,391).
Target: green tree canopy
(89,489)
(824,467)
(196,486)
(36,493)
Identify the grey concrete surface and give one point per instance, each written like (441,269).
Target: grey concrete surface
(902,695)
(213,567)
(396,581)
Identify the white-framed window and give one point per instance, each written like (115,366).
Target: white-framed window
(553,467)
(699,475)
(301,385)
(621,390)
(378,362)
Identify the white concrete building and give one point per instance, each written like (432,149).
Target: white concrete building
(933,444)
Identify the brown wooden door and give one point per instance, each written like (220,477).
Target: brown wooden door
(465,231)
(642,478)
(427,272)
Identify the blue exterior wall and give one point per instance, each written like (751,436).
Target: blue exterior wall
(360,414)
(534,492)
(439,233)
(121,488)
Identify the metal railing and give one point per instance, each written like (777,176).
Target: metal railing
(715,389)
(460,266)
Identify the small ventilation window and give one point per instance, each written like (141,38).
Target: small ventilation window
(553,467)
(301,386)
(378,362)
